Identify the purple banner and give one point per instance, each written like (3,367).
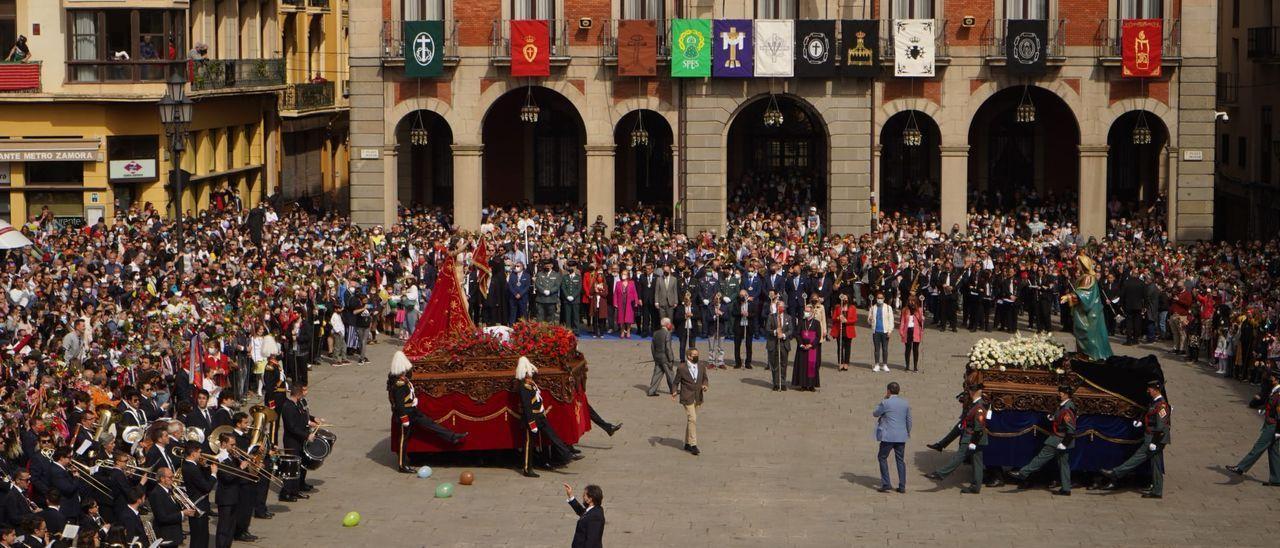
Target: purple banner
(731,48)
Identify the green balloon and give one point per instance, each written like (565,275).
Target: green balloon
(352,519)
(444,490)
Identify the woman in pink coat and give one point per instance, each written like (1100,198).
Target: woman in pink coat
(910,327)
(624,302)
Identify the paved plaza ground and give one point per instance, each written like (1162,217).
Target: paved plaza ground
(777,469)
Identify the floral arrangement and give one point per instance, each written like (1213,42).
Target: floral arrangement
(547,341)
(1035,352)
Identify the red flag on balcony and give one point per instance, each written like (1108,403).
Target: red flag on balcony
(1141,45)
(530,48)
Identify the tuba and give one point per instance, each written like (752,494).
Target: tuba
(213,436)
(107,419)
(133,434)
(264,419)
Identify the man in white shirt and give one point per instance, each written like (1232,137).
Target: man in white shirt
(880,317)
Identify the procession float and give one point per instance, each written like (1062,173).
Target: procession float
(1021,375)
(465,376)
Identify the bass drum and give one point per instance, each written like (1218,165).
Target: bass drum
(315,451)
(289,467)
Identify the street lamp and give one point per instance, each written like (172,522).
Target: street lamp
(175,115)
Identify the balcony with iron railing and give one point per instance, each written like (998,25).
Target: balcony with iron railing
(500,41)
(20,77)
(1226,89)
(393,43)
(1264,44)
(322,4)
(942,52)
(307,97)
(609,40)
(995,38)
(214,75)
(1107,44)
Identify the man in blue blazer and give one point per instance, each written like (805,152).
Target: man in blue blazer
(589,533)
(518,285)
(893,427)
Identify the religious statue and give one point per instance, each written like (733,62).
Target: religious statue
(1088,325)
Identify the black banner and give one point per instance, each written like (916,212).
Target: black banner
(1026,45)
(815,48)
(859,47)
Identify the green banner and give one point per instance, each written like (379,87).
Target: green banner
(691,48)
(423,48)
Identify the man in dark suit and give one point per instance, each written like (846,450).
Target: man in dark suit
(743,314)
(199,483)
(222,416)
(54,519)
(166,513)
(589,533)
(228,492)
(297,432)
(62,480)
(646,289)
(691,382)
(16,505)
(518,287)
(1133,295)
(129,518)
(797,289)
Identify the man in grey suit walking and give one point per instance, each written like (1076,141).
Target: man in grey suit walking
(662,358)
(778,331)
(893,427)
(666,292)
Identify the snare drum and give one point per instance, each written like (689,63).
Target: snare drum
(317,449)
(289,467)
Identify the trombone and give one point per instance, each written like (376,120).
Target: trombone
(86,475)
(258,468)
(207,459)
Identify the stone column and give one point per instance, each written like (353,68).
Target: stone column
(1093,191)
(1171,194)
(600,184)
(468,185)
(955,187)
(675,188)
(390,192)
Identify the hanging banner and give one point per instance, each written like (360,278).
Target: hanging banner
(423,49)
(815,48)
(637,47)
(1025,46)
(775,44)
(913,52)
(530,48)
(691,48)
(731,49)
(1142,43)
(860,48)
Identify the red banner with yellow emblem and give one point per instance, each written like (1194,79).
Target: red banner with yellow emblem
(1142,42)
(530,48)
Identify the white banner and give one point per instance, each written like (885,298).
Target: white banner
(124,170)
(775,47)
(913,42)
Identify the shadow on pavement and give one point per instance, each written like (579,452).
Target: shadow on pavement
(869,482)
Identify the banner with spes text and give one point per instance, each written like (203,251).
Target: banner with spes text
(530,48)
(1142,47)
(775,43)
(691,48)
(913,48)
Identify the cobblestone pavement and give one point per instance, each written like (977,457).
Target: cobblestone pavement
(777,469)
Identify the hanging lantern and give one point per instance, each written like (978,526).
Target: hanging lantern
(529,112)
(639,137)
(1141,132)
(418,136)
(1026,112)
(911,135)
(773,115)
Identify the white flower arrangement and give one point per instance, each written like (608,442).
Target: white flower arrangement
(1038,352)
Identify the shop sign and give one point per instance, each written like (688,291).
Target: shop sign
(125,170)
(49,156)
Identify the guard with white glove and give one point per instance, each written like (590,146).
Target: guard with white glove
(1058,444)
(1155,423)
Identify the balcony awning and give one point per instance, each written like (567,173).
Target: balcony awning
(51,150)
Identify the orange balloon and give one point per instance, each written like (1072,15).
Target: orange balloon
(467,478)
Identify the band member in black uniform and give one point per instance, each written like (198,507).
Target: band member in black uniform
(968,289)
(63,479)
(129,516)
(166,513)
(534,414)
(404,405)
(119,483)
(1046,296)
(200,416)
(947,302)
(158,455)
(297,432)
(199,483)
(130,414)
(228,491)
(986,299)
(224,414)
(246,490)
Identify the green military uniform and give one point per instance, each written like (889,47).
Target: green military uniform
(571,292)
(1057,445)
(973,431)
(729,287)
(546,287)
(1268,440)
(1156,436)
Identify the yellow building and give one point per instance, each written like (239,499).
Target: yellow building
(80,129)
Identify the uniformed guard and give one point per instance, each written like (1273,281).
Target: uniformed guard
(1155,436)
(1057,445)
(1268,439)
(954,433)
(534,414)
(973,440)
(404,406)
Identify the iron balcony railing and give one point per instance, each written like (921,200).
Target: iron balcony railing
(995,38)
(1225,88)
(500,38)
(1107,39)
(940,47)
(311,96)
(1264,43)
(609,38)
(393,40)
(216,74)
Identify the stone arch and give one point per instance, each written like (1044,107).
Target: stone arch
(621,109)
(1124,106)
(1069,96)
(792,136)
(409,106)
(892,108)
(561,87)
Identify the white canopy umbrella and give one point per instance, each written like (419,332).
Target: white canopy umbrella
(10,238)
